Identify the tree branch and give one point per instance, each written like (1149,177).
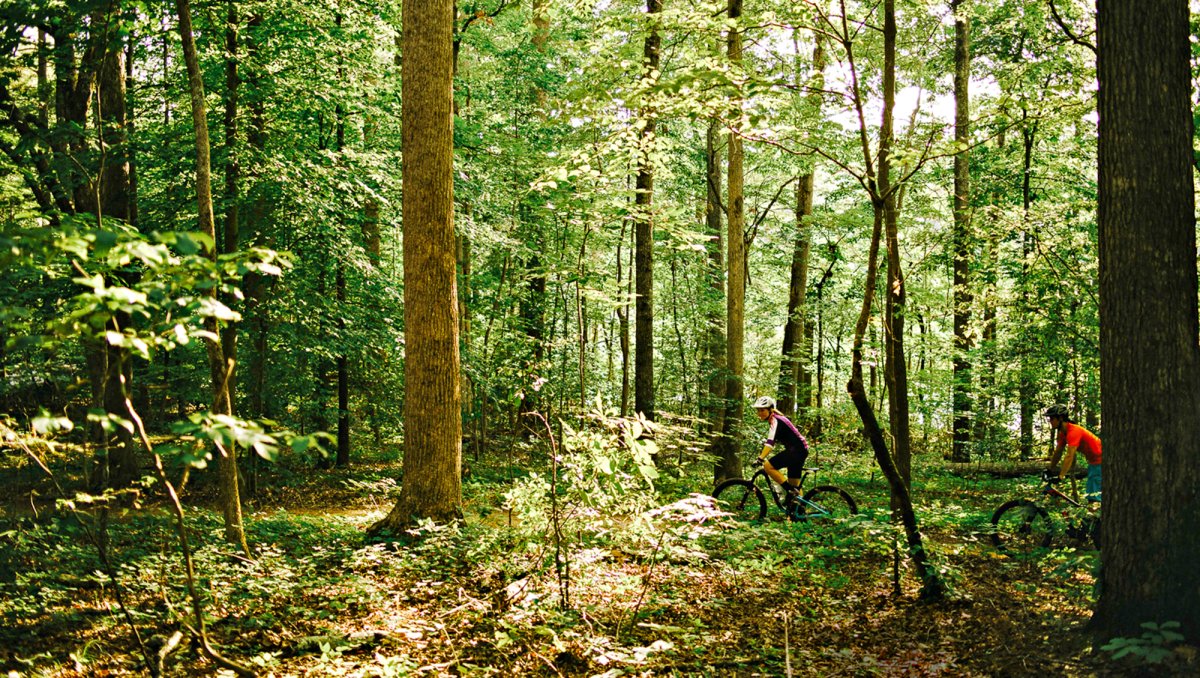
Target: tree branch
(1067,29)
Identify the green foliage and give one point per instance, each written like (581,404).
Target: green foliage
(605,476)
(1154,647)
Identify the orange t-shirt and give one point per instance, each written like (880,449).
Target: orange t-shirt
(1083,440)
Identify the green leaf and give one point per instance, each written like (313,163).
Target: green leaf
(45,424)
(96,282)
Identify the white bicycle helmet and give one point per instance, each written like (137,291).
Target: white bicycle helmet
(764,403)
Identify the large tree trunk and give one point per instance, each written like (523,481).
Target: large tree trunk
(643,350)
(219,371)
(105,197)
(113,193)
(729,464)
(1148,317)
(961,396)
(91,81)
(432,485)
(533,303)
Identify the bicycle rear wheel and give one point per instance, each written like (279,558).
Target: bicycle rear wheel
(1021,526)
(828,502)
(742,499)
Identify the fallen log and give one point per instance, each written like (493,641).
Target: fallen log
(1009,469)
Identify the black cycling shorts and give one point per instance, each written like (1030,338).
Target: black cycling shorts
(792,460)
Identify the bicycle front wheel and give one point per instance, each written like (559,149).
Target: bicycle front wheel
(742,499)
(828,501)
(1021,526)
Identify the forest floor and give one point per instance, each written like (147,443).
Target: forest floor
(669,591)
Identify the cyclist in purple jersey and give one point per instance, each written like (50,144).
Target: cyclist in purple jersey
(782,433)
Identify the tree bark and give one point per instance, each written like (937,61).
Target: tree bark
(1026,389)
(233,172)
(882,195)
(896,363)
(339,284)
(713,408)
(793,398)
(932,585)
(1148,317)
(729,464)
(961,385)
(623,325)
(643,350)
(230,500)
(432,485)
(113,201)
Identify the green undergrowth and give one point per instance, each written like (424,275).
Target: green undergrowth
(624,568)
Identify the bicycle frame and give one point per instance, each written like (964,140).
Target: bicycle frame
(760,473)
(798,502)
(1051,491)
(746,498)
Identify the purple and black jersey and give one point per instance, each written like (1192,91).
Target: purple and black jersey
(783,432)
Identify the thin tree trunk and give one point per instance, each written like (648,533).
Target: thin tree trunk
(580,316)
(684,370)
(623,322)
(883,203)
(932,585)
(643,397)
(1026,388)
(229,334)
(343,376)
(729,462)
(793,400)
(255,285)
(713,408)
(219,372)
(130,156)
(896,360)
(45,90)
(343,364)
(961,398)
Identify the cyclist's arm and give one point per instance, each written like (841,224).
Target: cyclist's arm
(766,452)
(1057,454)
(769,444)
(1068,461)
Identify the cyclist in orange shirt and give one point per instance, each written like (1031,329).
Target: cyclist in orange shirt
(1072,437)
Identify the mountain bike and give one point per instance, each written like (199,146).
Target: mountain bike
(1021,525)
(745,499)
